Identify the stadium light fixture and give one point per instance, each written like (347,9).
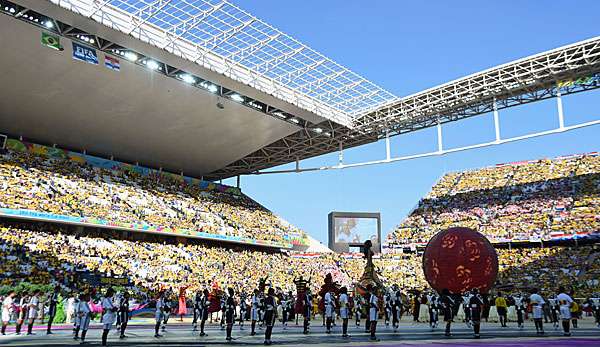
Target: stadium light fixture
(49,24)
(151,64)
(211,88)
(280,115)
(318,130)
(187,78)
(295,120)
(236,97)
(130,56)
(12,10)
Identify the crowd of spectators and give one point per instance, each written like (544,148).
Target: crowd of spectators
(47,254)
(510,201)
(66,187)
(519,201)
(50,254)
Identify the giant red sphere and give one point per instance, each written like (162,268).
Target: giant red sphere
(460,259)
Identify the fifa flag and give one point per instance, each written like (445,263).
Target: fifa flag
(83,53)
(51,41)
(112,63)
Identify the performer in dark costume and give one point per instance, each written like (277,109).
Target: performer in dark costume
(433,310)
(204,306)
(159,314)
(387,299)
(270,313)
(476,305)
(53,300)
(223,306)
(416,306)
(447,304)
(197,309)
(307,309)
(283,301)
(291,301)
(358,307)
(595,304)
(373,312)
(124,313)
(396,307)
(229,313)
(168,307)
(243,310)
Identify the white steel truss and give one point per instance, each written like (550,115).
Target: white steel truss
(571,69)
(475,94)
(224,38)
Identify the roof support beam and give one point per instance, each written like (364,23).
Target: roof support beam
(224,36)
(152,8)
(188,25)
(246,52)
(98,6)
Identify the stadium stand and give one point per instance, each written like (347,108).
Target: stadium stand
(64,187)
(535,200)
(42,253)
(544,198)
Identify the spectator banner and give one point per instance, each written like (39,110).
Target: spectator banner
(51,41)
(142,227)
(112,63)
(85,54)
(98,280)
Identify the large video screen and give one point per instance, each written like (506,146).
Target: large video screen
(355,230)
(347,230)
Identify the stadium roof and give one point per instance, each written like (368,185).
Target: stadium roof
(222,37)
(279,100)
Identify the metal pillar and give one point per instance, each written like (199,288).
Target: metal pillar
(559,105)
(238,181)
(439,136)
(496,121)
(388,155)
(341,155)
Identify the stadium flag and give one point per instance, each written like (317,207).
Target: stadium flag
(51,41)
(112,63)
(83,53)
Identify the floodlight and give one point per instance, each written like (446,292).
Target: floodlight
(237,97)
(152,65)
(188,78)
(49,24)
(131,56)
(212,88)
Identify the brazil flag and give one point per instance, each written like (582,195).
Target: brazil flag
(51,41)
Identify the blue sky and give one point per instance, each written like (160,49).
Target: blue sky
(406,47)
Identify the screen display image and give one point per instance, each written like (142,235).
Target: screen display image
(355,230)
